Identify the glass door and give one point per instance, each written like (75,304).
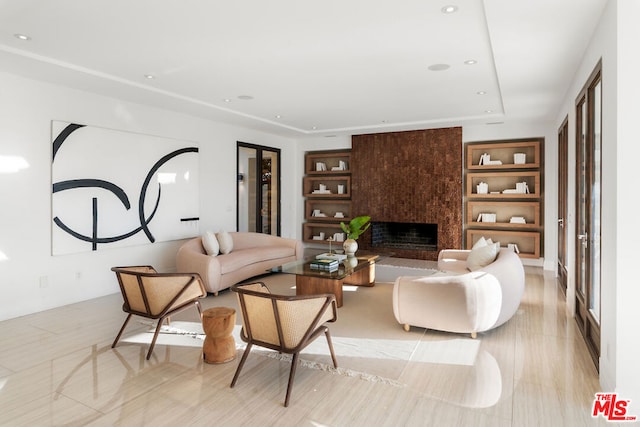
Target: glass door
(563,166)
(588,205)
(258,189)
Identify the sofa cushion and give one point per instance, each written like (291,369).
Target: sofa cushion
(243,257)
(225,241)
(210,243)
(482,256)
(480,243)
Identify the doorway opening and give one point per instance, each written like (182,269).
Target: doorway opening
(258,189)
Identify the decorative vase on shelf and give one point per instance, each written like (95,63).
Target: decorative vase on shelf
(350,247)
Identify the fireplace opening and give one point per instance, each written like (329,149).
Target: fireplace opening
(404,235)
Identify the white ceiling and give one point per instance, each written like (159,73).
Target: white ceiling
(324,67)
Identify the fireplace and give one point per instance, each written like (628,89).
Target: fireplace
(404,235)
(412,177)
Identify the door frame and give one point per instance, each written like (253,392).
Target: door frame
(563,203)
(258,190)
(587,324)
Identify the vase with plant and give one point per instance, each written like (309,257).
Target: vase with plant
(353,230)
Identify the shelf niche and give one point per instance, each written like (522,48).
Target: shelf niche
(330,168)
(500,176)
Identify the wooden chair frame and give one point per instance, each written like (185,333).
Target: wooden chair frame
(142,272)
(315,329)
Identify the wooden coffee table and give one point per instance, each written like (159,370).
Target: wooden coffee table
(358,271)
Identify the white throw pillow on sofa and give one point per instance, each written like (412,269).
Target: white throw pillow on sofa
(225,241)
(482,256)
(210,243)
(480,243)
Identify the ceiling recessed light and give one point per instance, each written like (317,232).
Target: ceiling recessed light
(439,67)
(488,111)
(22,37)
(481,92)
(226,100)
(245,97)
(470,62)
(278,116)
(449,9)
(314,127)
(149,76)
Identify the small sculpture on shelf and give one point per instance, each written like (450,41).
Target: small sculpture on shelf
(519,158)
(482,188)
(485,160)
(342,166)
(486,217)
(322,189)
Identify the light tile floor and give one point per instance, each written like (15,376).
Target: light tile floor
(57,368)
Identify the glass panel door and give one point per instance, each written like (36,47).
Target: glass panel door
(588,205)
(270,194)
(246,189)
(563,166)
(595,208)
(258,189)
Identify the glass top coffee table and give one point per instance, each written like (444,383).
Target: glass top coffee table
(359,271)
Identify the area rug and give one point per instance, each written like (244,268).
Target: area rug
(190,334)
(370,345)
(389,269)
(368,341)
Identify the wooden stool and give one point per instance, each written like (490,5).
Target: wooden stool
(219,345)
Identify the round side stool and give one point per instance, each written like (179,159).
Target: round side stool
(219,345)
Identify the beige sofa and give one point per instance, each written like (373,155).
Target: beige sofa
(252,255)
(458,300)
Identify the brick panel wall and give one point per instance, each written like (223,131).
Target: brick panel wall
(413,176)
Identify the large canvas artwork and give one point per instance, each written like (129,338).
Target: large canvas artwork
(113,188)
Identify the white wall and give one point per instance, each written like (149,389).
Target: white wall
(615,42)
(624,220)
(31,279)
(602,46)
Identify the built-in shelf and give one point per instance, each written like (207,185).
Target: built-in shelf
(328,171)
(329,208)
(330,159)
(505,153)
(312,187)
(528,241)
(512,172)
(528,211)
(500,184)
(320,232)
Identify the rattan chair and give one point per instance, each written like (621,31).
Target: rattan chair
(154,295)
(283,323)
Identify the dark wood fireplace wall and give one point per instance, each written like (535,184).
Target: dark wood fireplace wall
(414,177)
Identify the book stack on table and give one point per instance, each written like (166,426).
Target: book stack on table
(324,264)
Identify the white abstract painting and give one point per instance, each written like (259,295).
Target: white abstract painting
(113,188)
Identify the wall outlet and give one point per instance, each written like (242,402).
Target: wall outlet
(44,282)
